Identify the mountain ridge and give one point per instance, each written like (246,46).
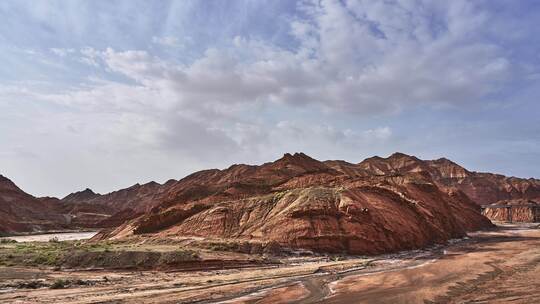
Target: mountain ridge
(298,170)
(379,205)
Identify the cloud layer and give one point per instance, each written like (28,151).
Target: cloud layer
(334,78)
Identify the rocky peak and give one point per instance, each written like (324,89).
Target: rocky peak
(395,163)
(444,161)
(7,184)
(446,168)
(294,157)
(297,158)
(84,195)
(87,192)
(399,155)
(299,161)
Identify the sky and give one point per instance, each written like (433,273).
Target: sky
(106,94)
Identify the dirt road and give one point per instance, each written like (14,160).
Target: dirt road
(491,267)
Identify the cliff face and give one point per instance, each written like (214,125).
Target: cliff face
(487,188)
(517,210)
(300,202)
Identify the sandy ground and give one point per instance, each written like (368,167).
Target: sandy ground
(491,267)
(45,237)
(497,267)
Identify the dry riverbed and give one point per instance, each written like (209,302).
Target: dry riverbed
(497,266)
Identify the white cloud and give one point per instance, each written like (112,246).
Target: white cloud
(62,52)
(170,41)
(364,57)
(89,56)
(253,99)
(359,57)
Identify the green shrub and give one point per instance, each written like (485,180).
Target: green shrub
(222,246)
(59,284)
(31,284)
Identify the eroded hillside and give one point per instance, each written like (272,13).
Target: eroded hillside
(299,202)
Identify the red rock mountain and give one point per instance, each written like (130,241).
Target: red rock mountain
(482,188)
(262,202)
(379,205)
(516,210)
(123,204)
(21,212)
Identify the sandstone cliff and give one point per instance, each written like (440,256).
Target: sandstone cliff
(517,210)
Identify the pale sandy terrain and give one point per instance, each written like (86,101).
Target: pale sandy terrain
(491,267)
(45,237)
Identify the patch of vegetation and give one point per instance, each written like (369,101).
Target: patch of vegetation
(59,284)
(97,247)
(51,258)
(222,246)
(34,284)
(177,257)
(82,282)
(186,255)
(276,196)
(76,254)
(7,241)
(49,253)
(338,258)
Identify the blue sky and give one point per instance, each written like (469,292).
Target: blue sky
(105,94)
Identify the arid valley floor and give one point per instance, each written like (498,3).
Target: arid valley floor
(495,266)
